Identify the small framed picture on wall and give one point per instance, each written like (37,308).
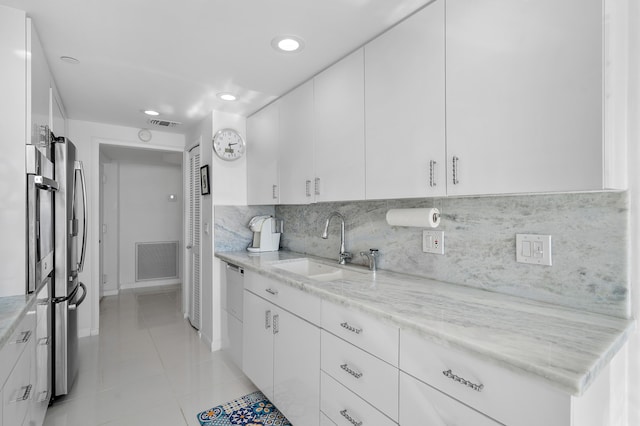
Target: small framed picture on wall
(204,180)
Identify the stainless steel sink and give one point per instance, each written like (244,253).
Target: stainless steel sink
(311,269)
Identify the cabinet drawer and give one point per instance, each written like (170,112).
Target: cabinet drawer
(345,408)
(422,404)
(23,334)
(371,378)
(506,396)
(364,331)
(292,299)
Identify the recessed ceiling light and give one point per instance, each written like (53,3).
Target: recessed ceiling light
(287,43)
(69,60)
(227,96)
(151,112)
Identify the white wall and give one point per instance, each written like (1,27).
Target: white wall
(229,187)
(229,177)
(13,185)
(87,136)
(146,214)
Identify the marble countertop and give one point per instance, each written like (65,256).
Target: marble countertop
(566,348)
(12,310)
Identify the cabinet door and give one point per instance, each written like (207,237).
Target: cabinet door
(404,104)
(339,122)
(421,404)
(257,342)
(58,117)
(38,80)
(296,371)
(263,132)
(296,146)
(524,95)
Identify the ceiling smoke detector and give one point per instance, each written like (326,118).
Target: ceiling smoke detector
(163,123)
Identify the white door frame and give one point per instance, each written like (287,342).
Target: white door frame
(95,207)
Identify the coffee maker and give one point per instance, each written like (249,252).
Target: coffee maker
(266,234)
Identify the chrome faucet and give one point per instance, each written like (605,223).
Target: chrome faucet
(372,256)
(344,255)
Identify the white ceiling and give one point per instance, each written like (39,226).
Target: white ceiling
(174,56)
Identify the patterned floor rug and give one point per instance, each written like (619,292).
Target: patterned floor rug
(250,410)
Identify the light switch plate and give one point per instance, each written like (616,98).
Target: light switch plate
(433,242)
(534,249)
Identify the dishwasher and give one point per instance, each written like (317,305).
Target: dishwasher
(232,312)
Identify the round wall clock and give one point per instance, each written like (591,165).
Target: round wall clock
(228,144)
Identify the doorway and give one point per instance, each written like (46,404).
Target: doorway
(141,218)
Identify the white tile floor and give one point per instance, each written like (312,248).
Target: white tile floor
(147,366)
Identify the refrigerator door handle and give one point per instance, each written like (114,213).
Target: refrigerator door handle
(62,299)
(79,166)
(74,306)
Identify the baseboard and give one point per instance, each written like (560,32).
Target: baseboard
(110,292)
(144,284)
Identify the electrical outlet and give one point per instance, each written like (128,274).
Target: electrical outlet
(433,242)
(535,249)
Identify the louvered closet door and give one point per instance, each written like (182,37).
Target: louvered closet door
(194,238)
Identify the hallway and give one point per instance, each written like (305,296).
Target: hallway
(147,366)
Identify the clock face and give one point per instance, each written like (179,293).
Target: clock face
(228,144)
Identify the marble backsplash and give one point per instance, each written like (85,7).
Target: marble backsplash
(231,226)
(589,243)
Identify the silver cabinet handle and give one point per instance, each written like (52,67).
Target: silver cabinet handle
(465,382)
(26,335)
(432,173)
(274,188)
(354,373)
(276,324)
(317,186)
(350,419)
(267,319)
(351,328)
(307,184)
(455,170)
(44,341)
(271,291)
(25,394)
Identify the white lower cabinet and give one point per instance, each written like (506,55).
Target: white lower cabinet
(510,398)
(369,377)
(18,373)
(420,404)
(282,357)
(345,408)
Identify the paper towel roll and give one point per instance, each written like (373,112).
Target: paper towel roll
(421,218)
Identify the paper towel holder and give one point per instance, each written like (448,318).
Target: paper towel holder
(414,217)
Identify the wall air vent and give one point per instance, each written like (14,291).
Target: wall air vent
(163,123)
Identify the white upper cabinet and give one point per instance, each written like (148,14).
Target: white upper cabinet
(38,84)
(524,96)
(263,133)
(404,104)
(339,131)
(58,116)
(296,146)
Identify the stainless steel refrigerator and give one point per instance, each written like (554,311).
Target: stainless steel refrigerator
(70,251)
